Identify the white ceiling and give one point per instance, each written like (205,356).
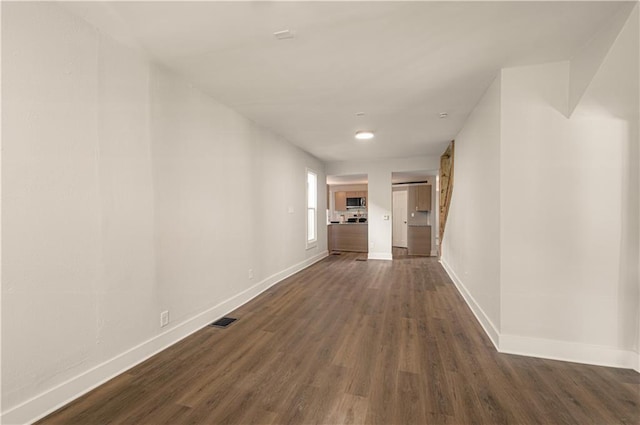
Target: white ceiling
(401,63)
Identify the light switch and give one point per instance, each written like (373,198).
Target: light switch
(385,217)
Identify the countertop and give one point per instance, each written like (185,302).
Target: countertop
(340,224)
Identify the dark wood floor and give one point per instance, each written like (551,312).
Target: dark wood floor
(355,342)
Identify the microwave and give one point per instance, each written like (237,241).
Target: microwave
(356,202)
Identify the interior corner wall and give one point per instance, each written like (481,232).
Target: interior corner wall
(561,207)
(568,209)
(126,192)
(471,245)
(586,62)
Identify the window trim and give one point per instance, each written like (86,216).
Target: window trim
(311,243)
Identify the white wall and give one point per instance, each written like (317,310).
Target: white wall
(583,230)
(569,209)
(587,61)
(223,192)
(126,192)
(379,191)
(471,248)
(561,214)
(380,209)
(52,202)
(614,89)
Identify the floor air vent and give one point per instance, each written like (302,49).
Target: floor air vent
(223,323)
(335,253)
(361,259)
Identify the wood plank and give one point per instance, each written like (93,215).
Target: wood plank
(446,187)
(351,342)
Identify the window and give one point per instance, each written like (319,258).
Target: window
(312,208)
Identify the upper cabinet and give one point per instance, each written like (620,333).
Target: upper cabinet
(420,198)
(340,201)
(357,194)
(328,196)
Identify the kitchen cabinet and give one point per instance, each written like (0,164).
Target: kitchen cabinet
(328,196)
(357,194)
(340,199)
(420,198)
(419,240)
(348,237)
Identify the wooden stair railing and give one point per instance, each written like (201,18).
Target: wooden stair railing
(446,189)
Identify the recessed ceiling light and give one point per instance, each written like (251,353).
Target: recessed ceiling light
(443,115)
(284,34)
(364,135)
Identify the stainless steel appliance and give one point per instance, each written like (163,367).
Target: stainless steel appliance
(356,202)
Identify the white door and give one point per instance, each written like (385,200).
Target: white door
(399,235)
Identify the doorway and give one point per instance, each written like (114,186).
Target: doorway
(399,214)
(414,206)
(348,213)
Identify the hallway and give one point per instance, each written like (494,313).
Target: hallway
(348,341)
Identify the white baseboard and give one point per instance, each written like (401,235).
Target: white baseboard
(568,351)
(51,400)
(545,348)
(380,256)
(481,317)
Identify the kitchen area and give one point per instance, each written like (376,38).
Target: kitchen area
(412,215)
(347,216)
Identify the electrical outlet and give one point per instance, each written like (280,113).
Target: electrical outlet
(164,318)
(250,273)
